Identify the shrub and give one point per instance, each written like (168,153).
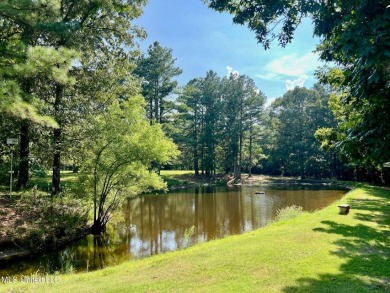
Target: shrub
(289,212)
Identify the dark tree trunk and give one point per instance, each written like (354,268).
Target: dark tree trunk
(302,164)
(250,153)
(334,166)
(56,179)
(97,228)
(24,154)
(196,154)
(196,161)
(156,104)
(151,110)
(161,104)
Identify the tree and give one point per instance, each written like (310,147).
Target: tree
(211,109)
(122,149)
(215,119)
(44,66)
(90,26)
(189,120)
(253,113)
(157,70)
(94,28)
(20,23)
(295,117)
(242,106)
(356,36)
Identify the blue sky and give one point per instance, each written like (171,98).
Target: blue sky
(203,39)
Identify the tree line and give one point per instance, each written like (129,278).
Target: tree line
(66,63)
(69,94)
(354,35)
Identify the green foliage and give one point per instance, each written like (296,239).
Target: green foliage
(53,64)
(156,71)
(46,46)
(290,143)
(188,233)
(216,123)
(288,213)
(11,103)
(355,35)
(119,156)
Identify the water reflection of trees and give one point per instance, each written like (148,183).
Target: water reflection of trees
(159,222)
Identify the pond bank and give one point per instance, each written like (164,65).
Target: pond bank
(29,225)
(186,179)
(315,252)
(34,223)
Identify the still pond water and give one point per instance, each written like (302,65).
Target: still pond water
(153,224)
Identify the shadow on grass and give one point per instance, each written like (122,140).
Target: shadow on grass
(366,250)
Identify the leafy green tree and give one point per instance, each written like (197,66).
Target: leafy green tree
(253,114)
(355,35)
(20,39)
(242,103)
(94,28)
(215,118)
(89,26)
(295,117)
(119,155)
(157,70)
(211,109)
(189,120)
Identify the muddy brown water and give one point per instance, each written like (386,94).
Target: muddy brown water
(157,223)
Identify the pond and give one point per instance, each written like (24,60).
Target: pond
(157,223)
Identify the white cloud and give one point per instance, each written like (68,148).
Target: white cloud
(291,69)
(231,71)
(293,65)
(290,85)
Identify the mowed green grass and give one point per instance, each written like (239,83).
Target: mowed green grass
(68,178)
(175,178)
(317,252)
(176,172)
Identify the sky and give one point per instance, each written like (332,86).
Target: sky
(203,39)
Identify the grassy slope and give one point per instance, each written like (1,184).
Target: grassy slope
(319,252)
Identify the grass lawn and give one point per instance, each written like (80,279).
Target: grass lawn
(317,252)
(176,172)
(176,177)
(68,178)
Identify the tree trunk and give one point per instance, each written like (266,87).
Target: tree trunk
(196,160)
(195,152)
(302,164)
(334,166)
(161,106)
(24,154)
(156,105)
(250,152)
(151,110)
(56,179)
(55,186)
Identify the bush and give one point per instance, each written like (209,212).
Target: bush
(289,212)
